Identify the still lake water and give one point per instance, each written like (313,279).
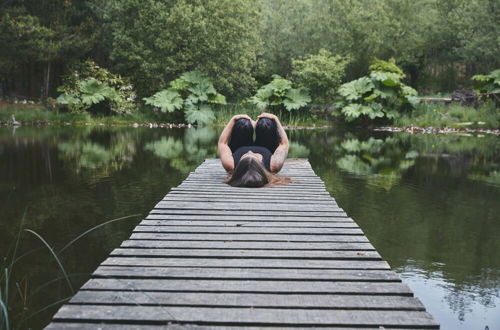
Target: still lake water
(429,204)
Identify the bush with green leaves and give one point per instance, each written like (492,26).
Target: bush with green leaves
(280,92)
(378,95)
(321,74)
(90,87)
(488,86)
(192,92)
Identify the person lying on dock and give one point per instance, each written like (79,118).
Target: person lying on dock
(252,163)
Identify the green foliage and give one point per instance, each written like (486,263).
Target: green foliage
(387,66)
(279,92)
(488,85)
(154,41)
(453,115)
(90,85)
(193,92)
(321,74)
(379,95)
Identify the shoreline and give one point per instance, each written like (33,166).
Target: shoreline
(392,129)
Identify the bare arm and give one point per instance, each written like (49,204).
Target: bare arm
(279,156)
(225,154)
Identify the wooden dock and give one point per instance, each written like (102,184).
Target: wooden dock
(213,256)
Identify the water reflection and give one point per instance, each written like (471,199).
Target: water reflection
(425,201)
(429,204)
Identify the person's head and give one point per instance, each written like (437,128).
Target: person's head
(242,134)
(266,133)
(250,172)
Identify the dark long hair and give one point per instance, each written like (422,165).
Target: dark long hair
(266,134)
(249,172)
(241,135)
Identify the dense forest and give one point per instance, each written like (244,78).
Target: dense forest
(439,44)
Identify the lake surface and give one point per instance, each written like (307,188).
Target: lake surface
(429,204)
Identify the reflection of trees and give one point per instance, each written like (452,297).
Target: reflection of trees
(382,161)
(437,210)
(184,155)
(298,150)
(100,151)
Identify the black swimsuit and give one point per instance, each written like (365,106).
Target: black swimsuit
(266,155)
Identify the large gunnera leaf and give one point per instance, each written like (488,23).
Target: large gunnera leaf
(93,91)
(386,78)
(201,114)
(296,98)
(67,99)
(355,89)
(168,100)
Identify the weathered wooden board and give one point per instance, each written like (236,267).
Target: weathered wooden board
(211,256)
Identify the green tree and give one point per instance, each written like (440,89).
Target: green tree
(321,74)
(154,41)
(37,34)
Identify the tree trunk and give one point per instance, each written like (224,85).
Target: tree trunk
(46,82)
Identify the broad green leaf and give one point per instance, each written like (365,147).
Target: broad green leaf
(391,114)
(355,89)
(201,114)
(202,90)
(407,90)
(413,100)
(258,101)
(280,84)
(168,100)
(481,77)
(386,78)
(67,99)
(352,111)
(370,98)
(495,75)
(375,113)
(179,84)
(217,99)
(296,98)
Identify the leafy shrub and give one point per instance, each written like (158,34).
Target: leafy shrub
(380,94)
(279,92)
(90,85)
(488,85)
(192,92)
(387,66)
(321,74)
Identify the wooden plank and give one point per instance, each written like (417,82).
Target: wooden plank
(328,218)
(235,253)
(254,199)
(261,191)
(252,237)
(245,263)
(212,245)
(247,230)
(325,301)
(250,286)
(233,206)
(246,316)
(281,213)
(365,275)
(219,186)
(117,325)
(247,196)
(251,224)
